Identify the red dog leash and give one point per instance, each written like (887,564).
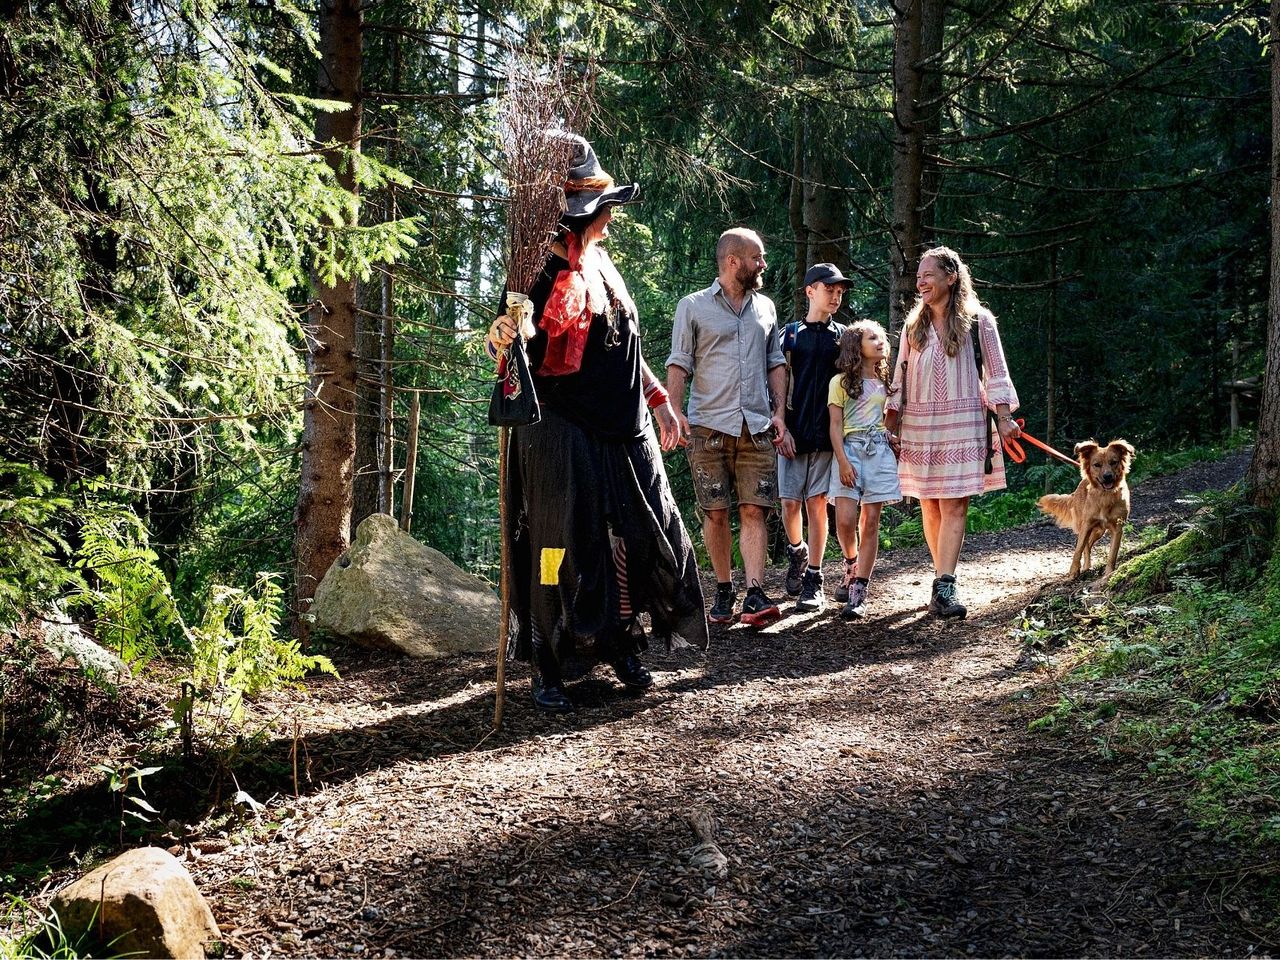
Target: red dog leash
(1014,449)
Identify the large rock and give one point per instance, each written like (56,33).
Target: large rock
(390,591)
(142,904)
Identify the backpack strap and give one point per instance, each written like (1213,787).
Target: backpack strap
(975,334)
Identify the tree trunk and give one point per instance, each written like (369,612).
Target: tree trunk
(907,228)
(386,413)
(323,516)
(825,217)
(795,211)
(1264,471)
(1050,355)
(364,484)
(932,31)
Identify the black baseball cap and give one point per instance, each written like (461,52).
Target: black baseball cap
(827,273)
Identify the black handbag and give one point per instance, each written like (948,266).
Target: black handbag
(514,402)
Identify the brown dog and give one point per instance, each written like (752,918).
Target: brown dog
(1099,504)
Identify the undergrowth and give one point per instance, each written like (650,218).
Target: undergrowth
(1017,505)
(1188,679)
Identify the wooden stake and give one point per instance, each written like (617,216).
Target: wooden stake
(504,580)
(410,463)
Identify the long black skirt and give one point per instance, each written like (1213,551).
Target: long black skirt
(568,493)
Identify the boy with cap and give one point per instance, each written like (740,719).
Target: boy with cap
(810,347)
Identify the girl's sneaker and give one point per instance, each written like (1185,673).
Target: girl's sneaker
(758,610)
(855,605)
(841,593)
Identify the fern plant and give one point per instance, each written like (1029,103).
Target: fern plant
(237,651)
(128,594)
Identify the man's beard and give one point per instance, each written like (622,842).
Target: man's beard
(751,278)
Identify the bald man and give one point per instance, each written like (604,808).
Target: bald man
(725,347)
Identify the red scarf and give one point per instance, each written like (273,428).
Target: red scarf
(570,308)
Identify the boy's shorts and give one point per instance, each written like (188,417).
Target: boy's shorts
(805,475)
(745,465)
(875,470)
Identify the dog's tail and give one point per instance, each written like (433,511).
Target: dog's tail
(1058,506)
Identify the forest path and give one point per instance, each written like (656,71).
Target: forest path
(875,787)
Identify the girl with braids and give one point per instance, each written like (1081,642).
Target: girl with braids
(950,381)
(864,470)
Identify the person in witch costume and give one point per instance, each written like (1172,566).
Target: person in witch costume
(595,535)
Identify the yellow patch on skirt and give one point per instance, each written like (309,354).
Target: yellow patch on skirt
(552,557)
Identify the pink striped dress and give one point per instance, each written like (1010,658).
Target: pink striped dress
(943,424)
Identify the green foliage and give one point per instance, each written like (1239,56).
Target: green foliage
(43,937)
(1190,685)
(31,513)
(237,651)
(129,596)
(133,806)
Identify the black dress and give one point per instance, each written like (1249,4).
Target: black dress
(588,473)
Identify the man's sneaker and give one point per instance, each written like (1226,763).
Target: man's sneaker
(722,609)
(841,593)
(811,596)
(855,606)
(758,610)
(799,557)
(944,603)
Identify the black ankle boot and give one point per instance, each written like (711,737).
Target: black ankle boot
(633,673)
(550,697)
(944,603)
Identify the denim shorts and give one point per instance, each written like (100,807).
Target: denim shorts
(875,469)
(722,465)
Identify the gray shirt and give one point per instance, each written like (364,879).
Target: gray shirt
(728,357)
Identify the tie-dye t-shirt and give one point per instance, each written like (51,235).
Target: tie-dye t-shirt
(866,411)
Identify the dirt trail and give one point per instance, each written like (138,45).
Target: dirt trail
(874,786)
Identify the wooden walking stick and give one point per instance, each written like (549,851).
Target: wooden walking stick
(540,99)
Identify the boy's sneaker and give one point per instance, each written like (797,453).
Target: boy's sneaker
(811,596)
(758,610)
(799,562)
(841,593)
(855,605)
(943,602)
(722,609)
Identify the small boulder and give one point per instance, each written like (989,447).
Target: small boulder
(65,640)
(390,591)
(142,904)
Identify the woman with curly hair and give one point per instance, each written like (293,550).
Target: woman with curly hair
(864,470)
(951,381)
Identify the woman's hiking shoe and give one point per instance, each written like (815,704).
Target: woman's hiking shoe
(855,604)
(722,609)
(758,610)
(841,592)
(944,603)
(799,562)
(633,674)
(550,697)
(812,599)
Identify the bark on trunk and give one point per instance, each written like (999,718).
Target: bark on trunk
(329,434)
(1264,471)
(825,217)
